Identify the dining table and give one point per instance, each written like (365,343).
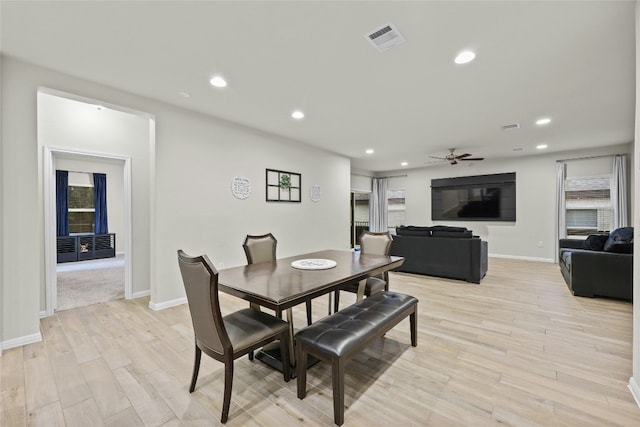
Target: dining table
(284,283)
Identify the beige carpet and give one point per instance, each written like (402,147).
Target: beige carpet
(90,282)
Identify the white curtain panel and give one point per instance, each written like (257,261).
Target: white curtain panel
(561,222)
(378,205)
(619,191)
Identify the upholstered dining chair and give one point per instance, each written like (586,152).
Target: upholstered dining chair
(262,248)
(225,338)
(372,243)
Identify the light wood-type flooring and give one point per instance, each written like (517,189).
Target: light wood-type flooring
(516,350)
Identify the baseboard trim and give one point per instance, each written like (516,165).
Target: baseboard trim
(20,341)
(141,294)
(167,304)
(522,258)
(635,390)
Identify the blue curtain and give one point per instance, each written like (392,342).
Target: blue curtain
(62,203)
(100,198)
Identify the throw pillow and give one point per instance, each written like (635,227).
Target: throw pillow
(620,241)
(595,242)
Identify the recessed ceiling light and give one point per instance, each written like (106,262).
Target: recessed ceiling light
(543,121)
(541,146)
(297,115)
(404,164)
(218,81)
(464,57)
(369,151)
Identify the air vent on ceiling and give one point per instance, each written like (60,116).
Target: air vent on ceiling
(511,126)
(385,37)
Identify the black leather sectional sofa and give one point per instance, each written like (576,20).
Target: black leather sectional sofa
(601,265)
(451,252)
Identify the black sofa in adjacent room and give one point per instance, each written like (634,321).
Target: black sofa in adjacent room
(601,265)
(451,252)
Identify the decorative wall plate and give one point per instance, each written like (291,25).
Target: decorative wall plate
(314,193)
(313,264)
(241,187)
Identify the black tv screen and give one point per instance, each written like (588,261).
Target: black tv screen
(474,198)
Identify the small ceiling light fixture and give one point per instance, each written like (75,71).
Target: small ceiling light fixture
(184,94)
(541,146)
(464,57)
(404,164)
(218,81)
(369,151)
(543,121)
(297,114)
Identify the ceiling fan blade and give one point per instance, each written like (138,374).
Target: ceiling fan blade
(440,158)
(473,158)
(462,156)
(453,162)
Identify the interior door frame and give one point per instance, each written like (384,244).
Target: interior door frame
(51,282)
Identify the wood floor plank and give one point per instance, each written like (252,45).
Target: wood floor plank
(517,349)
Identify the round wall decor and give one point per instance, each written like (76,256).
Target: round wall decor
(314,193)
(240,187)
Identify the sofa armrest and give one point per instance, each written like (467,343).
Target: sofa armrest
(602,273)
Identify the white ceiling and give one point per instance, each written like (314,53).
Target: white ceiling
(571,61)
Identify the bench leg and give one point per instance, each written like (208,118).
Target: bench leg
(413,324)
(301,370)
(337,378)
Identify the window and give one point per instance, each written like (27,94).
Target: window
(81,205)
(395,209)
(588,205)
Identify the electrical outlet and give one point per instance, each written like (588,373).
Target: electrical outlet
(540,244)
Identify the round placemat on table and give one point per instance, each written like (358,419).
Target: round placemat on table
(313,264)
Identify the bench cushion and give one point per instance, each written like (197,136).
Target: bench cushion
(344,331)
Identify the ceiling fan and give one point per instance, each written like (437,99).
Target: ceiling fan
(453,158)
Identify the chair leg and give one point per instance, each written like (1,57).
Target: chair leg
(228,384)
(413,324)
(308,313)
(336,302)
(196,369)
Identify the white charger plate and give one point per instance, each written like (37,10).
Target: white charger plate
(313,264)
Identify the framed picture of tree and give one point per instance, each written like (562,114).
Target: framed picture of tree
(283,186)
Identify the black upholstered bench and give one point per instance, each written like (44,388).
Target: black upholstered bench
(340,336)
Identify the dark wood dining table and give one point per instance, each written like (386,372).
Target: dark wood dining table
(279,286)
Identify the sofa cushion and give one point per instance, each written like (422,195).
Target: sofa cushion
(412,230)
(595,242)
(620,241)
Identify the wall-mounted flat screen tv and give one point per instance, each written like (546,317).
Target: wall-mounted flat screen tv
(474,198)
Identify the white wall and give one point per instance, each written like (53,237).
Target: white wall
(197,157)
(535,200)
(181,195)
(634,381)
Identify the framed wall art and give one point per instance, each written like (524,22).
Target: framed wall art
(283,186)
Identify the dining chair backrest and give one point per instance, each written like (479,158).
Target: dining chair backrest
(200,280)
(373,243)
(260,248)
